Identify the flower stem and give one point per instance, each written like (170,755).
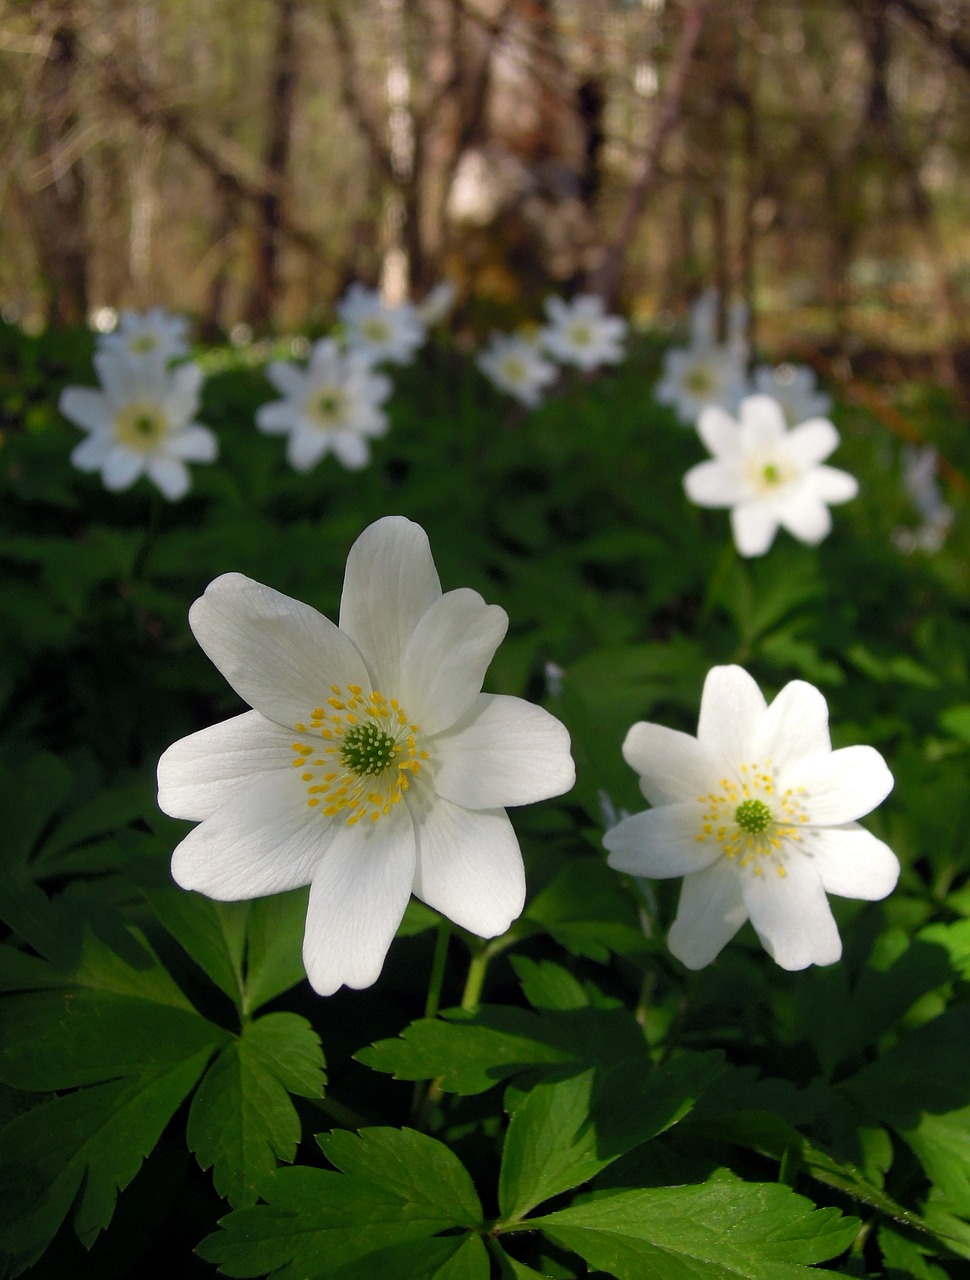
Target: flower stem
(477,968)
(437,968)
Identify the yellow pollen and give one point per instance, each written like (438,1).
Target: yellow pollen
(754,824)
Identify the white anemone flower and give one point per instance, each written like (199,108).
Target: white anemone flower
(793,386)
(768,475)
(437,304)
(140,422)
(581,333)
(331,405)
(516,366)
(371,766)
(758,814)
(696,378)
(155,333)
(378,331)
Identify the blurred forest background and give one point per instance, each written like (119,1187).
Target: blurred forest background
(244,160)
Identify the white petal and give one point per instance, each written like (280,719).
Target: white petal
(806,518)
(90,454)
(279,655)
(791,915)
(264,840)
(469,867)
(853,863)
(505,751)
(762,422)
(121,468)
(829,484)
(795,726)
(86,407)
(446,657)
(754,528)
(182,393)
(661,842)
(842,786)
(287,378)
(199,773)
(277,417)
(304,449)
(719,432)
(732,708)
(714,484)
(811,442)
(710,912)
(672,765)
(357,898)
(170,475)
(195,444)
(351,449)
(390,582)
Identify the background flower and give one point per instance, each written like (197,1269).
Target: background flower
(768,475)
(151,333)
(517,366)
(579,332)
(371,765)
(793,386)
(758,814)
(378,331)
(331,406)
(140,422)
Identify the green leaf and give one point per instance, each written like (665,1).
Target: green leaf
(723,1230)
(587,909)
(274,955)
(212,933)
(242,1120)
(397,1186)
(441,1258)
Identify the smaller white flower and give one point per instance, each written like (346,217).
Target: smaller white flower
(140,422)
(331,406)
(768,475)
(437,303)
(703,324)
(580,333)
(793,386)
(696,378)
(922,488)
(758,814)
(149,333)
(377,330)
(515,365)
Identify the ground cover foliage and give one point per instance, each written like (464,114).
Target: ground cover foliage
(580,1105)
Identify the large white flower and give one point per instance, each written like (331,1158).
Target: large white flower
(378,331)
(793,386)
(580,333)
(140,422)
(150,333)
(371,766)
(333,404)
(758,814)
(516,366)
(768,475)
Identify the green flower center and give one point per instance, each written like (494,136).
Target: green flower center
(699,381)
(328,406)
(358,754)
(580,335)
(141,426)
(367,749)
(770,474)
(753,816)
(513,369)
(142,344)
(375,329)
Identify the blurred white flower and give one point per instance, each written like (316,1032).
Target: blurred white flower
(793,386)
(768,475)
(580,333)
(372,765)
(437,303)
(703,324)
(140,422)
(378,331)
(696,378)
(331,406)
(920,482)
(149,333)
(758,814)
(516,365)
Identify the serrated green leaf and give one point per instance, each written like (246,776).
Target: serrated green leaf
(212,933)
(399,1186)
(95,1138)
(274,953)
(588,911)
(242,1121)
(441,1258)
(724,1230)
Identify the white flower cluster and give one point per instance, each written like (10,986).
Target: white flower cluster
(577,333)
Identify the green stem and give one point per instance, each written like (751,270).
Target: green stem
(344,1117)
(433,1000)
(477,969)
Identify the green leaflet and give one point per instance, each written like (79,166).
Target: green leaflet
(722,1230)
(242,1120)
(396,1187)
